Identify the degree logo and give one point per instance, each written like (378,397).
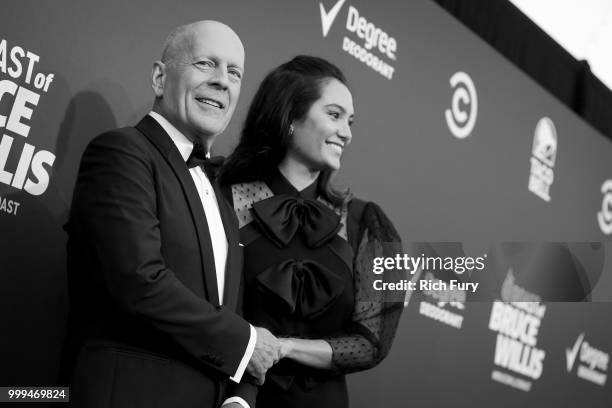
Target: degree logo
(372,45)
(328,17)
(592,362)
(571,354)
(461,122)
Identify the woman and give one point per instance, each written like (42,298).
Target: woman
(308,248)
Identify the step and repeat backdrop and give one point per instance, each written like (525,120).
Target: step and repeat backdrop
(465,153)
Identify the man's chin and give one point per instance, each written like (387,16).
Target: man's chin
(209,131)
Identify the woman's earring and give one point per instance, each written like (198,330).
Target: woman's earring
(291,129)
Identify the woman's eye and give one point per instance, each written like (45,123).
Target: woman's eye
(334,115)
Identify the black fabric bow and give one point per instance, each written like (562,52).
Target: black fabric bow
(307,287)
(198,158)
(281,216)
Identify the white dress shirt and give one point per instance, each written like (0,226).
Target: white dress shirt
(215,226)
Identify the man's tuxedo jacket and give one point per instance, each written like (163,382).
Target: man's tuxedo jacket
(145,319)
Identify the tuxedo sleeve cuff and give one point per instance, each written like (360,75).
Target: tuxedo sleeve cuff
(247,356)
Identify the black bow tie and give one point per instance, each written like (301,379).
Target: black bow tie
(198,158)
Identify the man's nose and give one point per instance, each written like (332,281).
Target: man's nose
(220,77)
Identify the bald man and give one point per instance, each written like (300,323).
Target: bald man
(154,262)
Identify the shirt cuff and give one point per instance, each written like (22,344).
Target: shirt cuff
(236,399)
(247,357)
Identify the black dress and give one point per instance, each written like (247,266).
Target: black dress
(308,274)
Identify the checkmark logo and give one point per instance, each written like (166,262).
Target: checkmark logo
(328,17)
(573,353)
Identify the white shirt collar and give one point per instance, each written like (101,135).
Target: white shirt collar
(184,145)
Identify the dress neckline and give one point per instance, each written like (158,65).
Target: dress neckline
(280,185)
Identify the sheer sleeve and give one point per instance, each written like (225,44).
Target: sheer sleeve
(376,314)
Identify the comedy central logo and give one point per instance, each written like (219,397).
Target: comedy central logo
(604,217)
(371,39)
(460,120)
(543,158)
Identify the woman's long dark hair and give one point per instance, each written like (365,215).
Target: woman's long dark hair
(285,95)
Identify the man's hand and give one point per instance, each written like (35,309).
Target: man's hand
(265,355)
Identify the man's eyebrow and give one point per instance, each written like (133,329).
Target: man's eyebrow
(216,60)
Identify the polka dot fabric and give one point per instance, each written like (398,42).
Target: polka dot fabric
(375,317)
(245,195)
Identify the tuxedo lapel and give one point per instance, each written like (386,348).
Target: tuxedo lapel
(156,134)
(233,267)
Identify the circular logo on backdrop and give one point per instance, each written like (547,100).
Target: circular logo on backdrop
(604,217)
(461,117)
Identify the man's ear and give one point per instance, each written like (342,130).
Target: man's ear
(158,78)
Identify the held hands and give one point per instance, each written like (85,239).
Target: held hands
(286,345)
(267,353)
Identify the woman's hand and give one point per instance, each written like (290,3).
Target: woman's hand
(310,352)
(286,347)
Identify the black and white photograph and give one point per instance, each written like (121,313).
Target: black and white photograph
(306,203)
